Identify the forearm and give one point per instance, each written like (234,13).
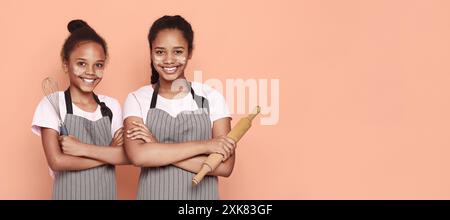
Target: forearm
(57,160)
(160,154)
(109,154)
(194,165)
(65,162)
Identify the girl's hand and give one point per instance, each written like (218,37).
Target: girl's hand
(118,138)
(72,146)
(141,132)
(221,145)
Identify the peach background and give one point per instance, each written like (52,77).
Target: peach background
(364,95)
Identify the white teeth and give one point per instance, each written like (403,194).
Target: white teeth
(88,80)
(170,69)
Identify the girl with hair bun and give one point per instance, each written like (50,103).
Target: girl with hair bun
(82,162)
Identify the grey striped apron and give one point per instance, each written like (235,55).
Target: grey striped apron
(95,183)
(170,182)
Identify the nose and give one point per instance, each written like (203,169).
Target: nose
(168,59)
(90,70)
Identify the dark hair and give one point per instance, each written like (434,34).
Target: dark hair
(80,31)
(170,22)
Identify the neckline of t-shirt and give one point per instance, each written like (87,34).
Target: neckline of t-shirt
(174,100)
(193,84)
(160,97)
(81,110)
(86,112)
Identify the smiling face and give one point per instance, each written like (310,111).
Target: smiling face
(169,54)
(85,65)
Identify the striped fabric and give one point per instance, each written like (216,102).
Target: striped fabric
(91,184)
(170,182)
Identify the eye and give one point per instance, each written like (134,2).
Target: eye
(99,65)
(159,52)
(178,52)
(80,63)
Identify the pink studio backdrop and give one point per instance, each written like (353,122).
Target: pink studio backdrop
(364,95)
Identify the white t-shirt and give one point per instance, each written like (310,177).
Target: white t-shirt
(45,116)
(138,103)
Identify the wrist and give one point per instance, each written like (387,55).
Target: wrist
(203,147)
(87,150)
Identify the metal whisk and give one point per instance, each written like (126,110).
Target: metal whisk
(50,88)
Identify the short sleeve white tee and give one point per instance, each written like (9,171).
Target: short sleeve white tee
(45,116)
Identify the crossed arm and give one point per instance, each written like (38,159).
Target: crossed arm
(66,153)
(144,150)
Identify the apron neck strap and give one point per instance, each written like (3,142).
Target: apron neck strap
(68,99)
(106,112)
(200,100)
(154,96)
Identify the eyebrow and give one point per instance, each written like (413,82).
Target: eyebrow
(163,48)
(86,60)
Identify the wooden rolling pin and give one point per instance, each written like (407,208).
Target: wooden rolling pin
(213,160)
